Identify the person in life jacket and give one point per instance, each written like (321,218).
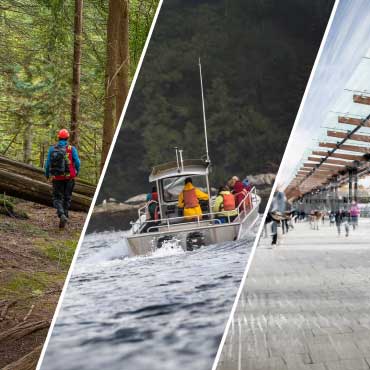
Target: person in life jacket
(153,205)
(225,206)
(240,193)
(62,166)
(189,200)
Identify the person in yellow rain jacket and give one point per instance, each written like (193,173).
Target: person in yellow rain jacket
(189,200)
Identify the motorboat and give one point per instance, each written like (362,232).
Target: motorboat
(174,229)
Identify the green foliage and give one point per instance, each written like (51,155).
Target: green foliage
(23,284)
(256,58)
(36,43)
(60,252)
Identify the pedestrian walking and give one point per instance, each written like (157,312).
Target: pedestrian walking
(346,221)
(338,221)
(354,214)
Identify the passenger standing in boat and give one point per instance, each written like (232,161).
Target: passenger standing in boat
(231,182)
(153,205)
(189,200)
(247,185)
(240,193)
(225,206)
(152,210)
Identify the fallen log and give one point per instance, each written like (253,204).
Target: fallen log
(28,362)
(35,173)
(23,329)
(23,187)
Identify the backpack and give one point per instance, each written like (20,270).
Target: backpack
(59,162)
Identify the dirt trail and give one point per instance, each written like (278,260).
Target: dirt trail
(34,260)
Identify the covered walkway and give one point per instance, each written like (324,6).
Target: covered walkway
(305,304)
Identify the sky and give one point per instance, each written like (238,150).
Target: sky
(341,66)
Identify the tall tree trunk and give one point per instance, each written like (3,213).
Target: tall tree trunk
(75,103)
(123,58)
(110,80)
(27,144)
(116,71)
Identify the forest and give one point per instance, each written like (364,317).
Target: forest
(67,63)
(256,60)
(63,64)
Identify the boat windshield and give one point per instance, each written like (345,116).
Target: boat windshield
(173,186)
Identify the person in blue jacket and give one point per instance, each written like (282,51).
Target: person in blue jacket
(62,165)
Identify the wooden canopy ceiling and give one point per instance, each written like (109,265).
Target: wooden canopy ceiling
(323,166)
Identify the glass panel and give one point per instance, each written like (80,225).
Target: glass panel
(173,186)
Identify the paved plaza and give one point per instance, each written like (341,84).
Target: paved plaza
(305,304)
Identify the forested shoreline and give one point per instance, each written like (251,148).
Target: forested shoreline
(255,73)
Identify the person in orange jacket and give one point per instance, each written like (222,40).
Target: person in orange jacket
(189,200)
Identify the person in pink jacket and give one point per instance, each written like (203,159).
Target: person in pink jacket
(354,213)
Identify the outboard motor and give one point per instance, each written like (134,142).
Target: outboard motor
(195,240)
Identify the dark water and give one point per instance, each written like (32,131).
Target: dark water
(165,311)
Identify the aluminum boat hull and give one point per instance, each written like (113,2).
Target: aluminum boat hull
(147,243)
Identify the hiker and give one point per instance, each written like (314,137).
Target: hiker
(224,206)
(354,214)
(62,165)
(189,198)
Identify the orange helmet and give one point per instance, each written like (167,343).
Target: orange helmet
(63,134)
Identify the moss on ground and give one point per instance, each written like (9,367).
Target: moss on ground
(60,252)
(23,284)
(8,208)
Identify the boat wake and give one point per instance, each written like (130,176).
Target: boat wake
(163,311)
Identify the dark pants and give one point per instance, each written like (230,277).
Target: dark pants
(274,239)
(284,224)
(62,195)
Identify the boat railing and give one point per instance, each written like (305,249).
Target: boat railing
(247,204)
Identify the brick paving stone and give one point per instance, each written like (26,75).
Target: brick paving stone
(305,304)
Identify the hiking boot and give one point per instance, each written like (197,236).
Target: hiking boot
(63,221)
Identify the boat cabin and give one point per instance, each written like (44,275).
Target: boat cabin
(169,179)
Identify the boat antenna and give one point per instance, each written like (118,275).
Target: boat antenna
(204,112)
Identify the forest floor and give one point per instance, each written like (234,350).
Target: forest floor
(34,260)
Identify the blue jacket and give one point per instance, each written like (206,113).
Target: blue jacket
(76,159)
